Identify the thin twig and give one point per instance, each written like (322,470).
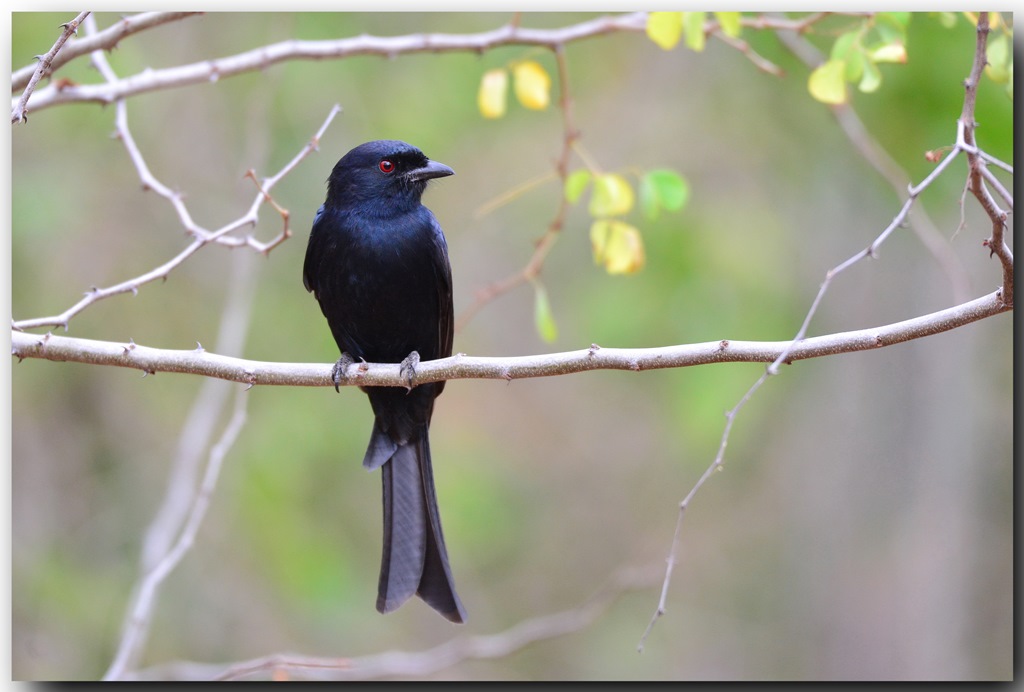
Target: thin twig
(876,155)
(760,62)
(543,246)
(19,113)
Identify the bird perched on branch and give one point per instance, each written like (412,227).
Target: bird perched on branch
(377,262)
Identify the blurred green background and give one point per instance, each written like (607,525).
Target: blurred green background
(861,528)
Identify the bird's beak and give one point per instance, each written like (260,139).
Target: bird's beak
(433,169)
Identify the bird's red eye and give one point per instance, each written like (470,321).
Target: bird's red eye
(386,166)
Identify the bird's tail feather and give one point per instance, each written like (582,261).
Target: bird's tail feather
(414,559)
(380,449)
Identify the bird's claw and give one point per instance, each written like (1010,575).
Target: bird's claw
(338,375)
(407,369)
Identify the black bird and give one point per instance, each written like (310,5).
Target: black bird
(377,262)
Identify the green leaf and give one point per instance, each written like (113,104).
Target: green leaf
(901,18)
(542,317)
(693,30)
(612,195)
(662,189)
(844,42)
(947,19)
(872,78)
(730,23)
(575,184)
(892,26)
(828,82)
(617,245)
(665,28)
(855,60)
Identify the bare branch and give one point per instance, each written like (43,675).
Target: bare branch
(461,366)
(19,112)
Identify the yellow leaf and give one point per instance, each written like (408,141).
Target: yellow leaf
(665,28)
(493,94)
(533,85)
(617,245)
(612,195)
(828,82)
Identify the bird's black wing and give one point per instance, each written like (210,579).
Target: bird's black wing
(445,305)
(314,251)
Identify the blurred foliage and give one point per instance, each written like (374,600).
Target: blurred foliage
(861,528)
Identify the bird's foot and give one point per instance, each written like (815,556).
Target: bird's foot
(408,369)
(338,375)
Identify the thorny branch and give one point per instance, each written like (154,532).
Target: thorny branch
(1002,300)
(461,366)
(202,236)
(977,165)
(19,112)
(512,34)
(104,40)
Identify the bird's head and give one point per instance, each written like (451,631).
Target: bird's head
(385,174)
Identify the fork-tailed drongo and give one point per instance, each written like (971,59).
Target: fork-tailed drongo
(377,263)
